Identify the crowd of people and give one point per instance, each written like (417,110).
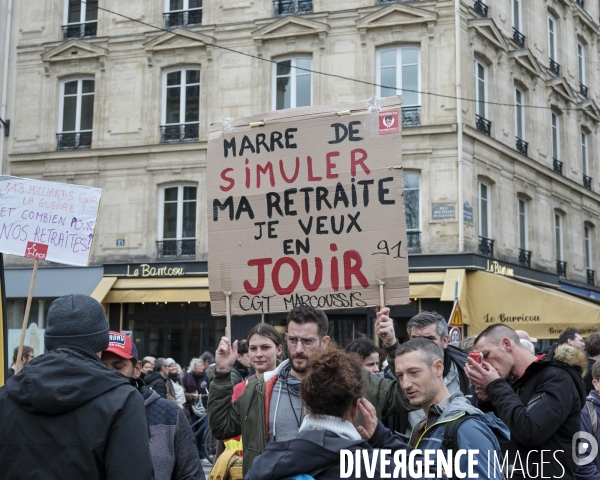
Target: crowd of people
(285,407)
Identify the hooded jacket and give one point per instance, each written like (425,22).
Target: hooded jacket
(172,442)
(66,415)
(317,453)
(591,471)
(542,409)
(248,415)
(482,431)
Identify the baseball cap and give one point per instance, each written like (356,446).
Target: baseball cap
(121,345)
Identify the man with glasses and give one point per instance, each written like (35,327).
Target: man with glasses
(26,357)
(270,408)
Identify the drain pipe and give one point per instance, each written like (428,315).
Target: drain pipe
(5,81)
(459,128)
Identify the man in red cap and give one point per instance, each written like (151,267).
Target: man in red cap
(172,444)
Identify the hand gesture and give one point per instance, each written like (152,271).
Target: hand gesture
(480,376)
(384,327)
(226,354)
(369,416)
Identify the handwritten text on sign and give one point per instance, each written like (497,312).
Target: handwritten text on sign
(307,209)
(47,220)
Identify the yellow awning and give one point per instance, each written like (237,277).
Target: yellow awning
(426,284)
(453,275)
(103,288)
(542,312)
(137,290)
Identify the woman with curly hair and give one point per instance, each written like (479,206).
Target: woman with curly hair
(332,394)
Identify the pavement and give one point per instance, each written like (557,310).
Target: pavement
(207,466)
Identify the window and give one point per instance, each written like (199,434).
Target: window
(523,240)
(181,112)
(581,62)
(555,136)
(76,114)
(399,74)
(177,221)
(182,13)
(587,236)
(519,114)
(558,236)
(480,89)
(412,208)
(485,228)
(81,19)
(516,15)
(584,153)
(292,83)
(552,38)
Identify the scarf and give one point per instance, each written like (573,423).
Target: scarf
(342,428)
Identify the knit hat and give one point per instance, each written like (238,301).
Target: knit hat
(76,320)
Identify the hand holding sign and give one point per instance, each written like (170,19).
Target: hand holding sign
(384,327)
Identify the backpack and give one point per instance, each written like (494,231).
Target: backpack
(593,416)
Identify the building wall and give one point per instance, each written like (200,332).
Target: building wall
(128,59)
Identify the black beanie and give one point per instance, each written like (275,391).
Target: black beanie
(76,320)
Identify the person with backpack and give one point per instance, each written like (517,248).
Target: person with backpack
(451,421)
(589,424)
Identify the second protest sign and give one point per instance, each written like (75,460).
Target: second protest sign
(305,206)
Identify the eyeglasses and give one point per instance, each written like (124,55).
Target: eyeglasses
(306,342)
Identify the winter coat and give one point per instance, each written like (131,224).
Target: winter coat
(248,415)
(67,415)
(589,386)
(591,471)
(542,410)
(172,443)
(482,431)
(239,373)
(155,381)
(193,382)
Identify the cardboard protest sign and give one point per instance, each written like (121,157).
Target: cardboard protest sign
(47,220)
(305,206)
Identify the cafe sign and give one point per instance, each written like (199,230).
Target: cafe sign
(497,269)
(157,270)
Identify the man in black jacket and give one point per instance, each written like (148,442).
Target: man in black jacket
(66,415)
(157,379)
(539,398)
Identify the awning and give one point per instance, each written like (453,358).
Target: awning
(138,290)
(426,284)
(542,312)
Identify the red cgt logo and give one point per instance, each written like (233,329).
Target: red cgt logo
(36,250)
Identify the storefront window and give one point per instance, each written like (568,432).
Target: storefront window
(15,312)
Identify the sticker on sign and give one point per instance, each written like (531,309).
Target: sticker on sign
(388,122)
(47,220)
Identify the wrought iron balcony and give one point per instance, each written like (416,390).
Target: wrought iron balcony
(587,182)
(518,38)
(411,116)
(413,241)
(176,248)
(557,164)
(79,30)
(186,132)
(486,246)
(73,141)
(591,280)
(481,8)
(561,268)
(292,7)
(581,3)
(554,67)
(182,19)
(483,125)
(525,257)
(522,146)
(583,90)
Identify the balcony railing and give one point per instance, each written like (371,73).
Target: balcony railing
(522,146)
(561,268)
(581,3)
(486,246)
(73,141)
(587,182)
(411,116)
(525,257)
(557,164)
(518,38)
(483,125)
(554,67)
(79,30)
(396,1)
(583,90)
(186,132)
(591,277)
(176,248)
(481,8)
(292,7)
(182,19)
(413,241)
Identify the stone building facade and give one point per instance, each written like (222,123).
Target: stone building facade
(122,98)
